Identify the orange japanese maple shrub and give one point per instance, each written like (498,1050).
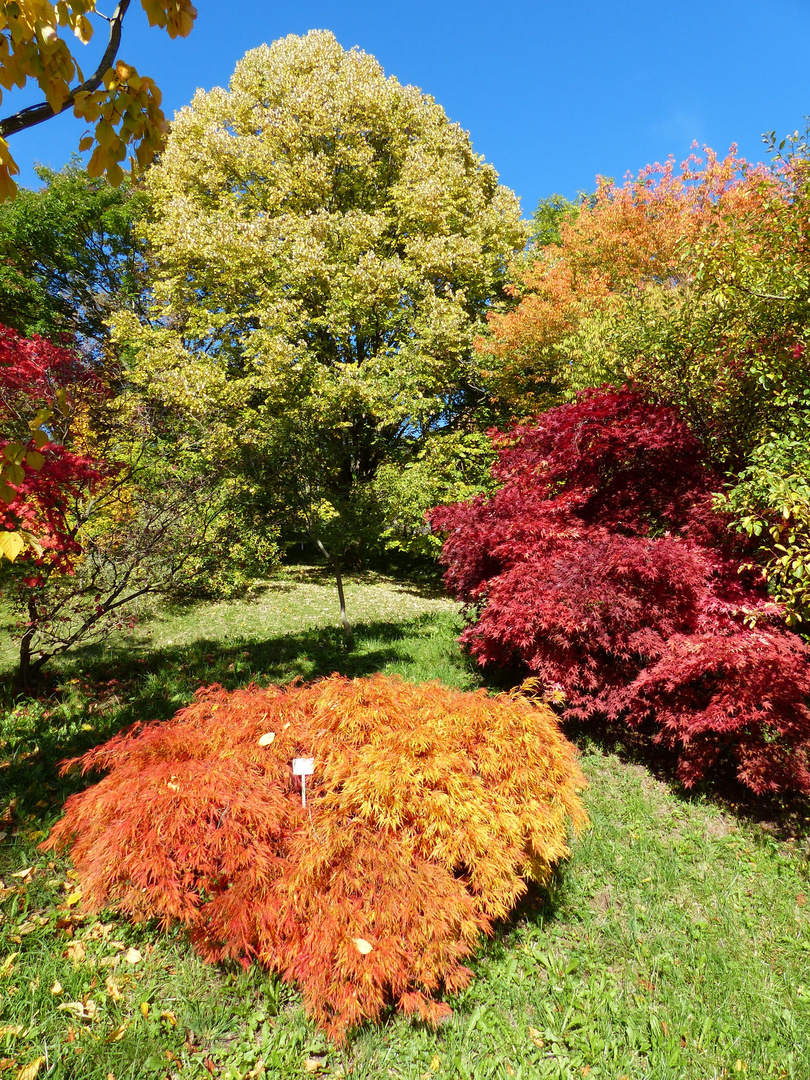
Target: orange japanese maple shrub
(427,812)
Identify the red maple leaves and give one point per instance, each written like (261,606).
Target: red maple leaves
(601,566)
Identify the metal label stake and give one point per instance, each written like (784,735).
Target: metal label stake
(303,767)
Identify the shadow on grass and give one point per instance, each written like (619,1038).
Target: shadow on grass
(93,693)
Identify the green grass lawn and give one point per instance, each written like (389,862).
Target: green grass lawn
(674,944)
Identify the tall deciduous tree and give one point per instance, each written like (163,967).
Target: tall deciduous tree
(329,245)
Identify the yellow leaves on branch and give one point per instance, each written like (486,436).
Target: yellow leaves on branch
(127,108)
(427,812)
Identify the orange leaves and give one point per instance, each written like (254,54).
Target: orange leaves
(425,811)
(651,232)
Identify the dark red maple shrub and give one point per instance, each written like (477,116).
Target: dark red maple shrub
(427,812)
(601,567)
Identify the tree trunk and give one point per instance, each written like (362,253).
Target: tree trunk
(26,669)
(347,629)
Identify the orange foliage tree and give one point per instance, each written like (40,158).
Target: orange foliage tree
(630,253)
(427,812)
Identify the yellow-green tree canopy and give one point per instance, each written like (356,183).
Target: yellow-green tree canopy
(328,246)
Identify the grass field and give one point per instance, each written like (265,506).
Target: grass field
(674,944)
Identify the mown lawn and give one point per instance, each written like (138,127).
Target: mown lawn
(674,944)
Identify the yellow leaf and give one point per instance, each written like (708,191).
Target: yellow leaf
(265,740)
(30,1071)
(113,989)
(144,1009)
(25,874)
(133,956)
(11,1029)
(363,946)
(435,1063)
(11,543)
(117,1034)
(34,460)
(169,1017)
(536,1037)
(6,966)
(74,898)
(86,142)
(57,988)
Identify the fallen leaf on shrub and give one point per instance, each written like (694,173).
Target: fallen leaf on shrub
(133,956)
(30,1071)
(57,988)
(363,946)
(266,739)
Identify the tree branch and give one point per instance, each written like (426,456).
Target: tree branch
(36,114)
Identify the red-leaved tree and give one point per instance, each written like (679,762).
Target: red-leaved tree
(601,567)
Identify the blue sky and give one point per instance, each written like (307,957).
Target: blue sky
(552,94)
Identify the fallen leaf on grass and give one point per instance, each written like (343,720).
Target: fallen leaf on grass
(74,898)
(11,1029)
(28,1072)
(133,956)
(28,927)
(24,875)
(313,1065)
(8,963)
(117,1034)
(536,1037)
(435,1063)
(75,952)
(82,1010)
(144,1009)
(169,1017)
(57,988)
(113,989)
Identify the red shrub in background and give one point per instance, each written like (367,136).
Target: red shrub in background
(601,567)
(36,374)
(427,812)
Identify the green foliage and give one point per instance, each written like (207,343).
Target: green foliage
(449,468)
(69,255)
(771,500)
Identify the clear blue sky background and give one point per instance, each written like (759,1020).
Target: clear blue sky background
(552,93)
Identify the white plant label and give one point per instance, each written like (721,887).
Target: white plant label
(303,767)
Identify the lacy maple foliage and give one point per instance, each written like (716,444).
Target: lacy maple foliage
(427,812)
(601,566)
